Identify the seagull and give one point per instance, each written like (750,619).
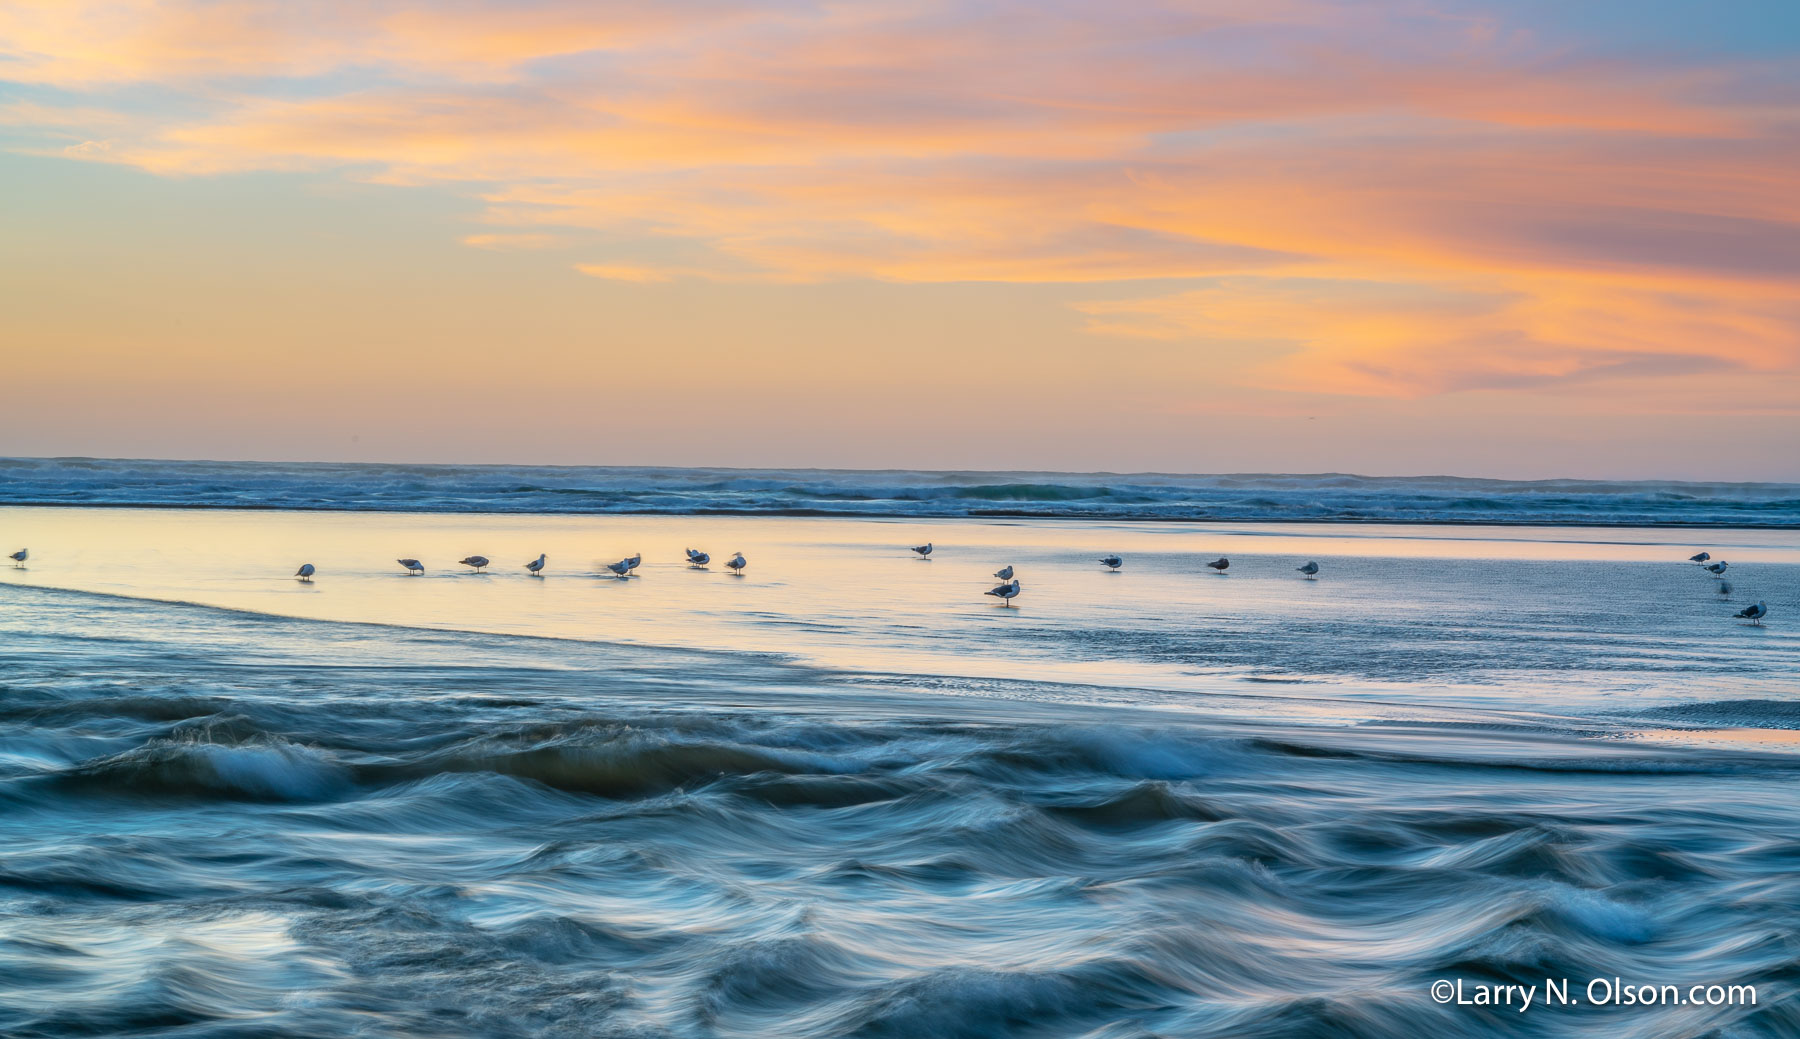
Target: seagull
(1113,561)
(1724,587)
(632,562)
(1755,614)
(475,561)
(620,569)
(737,563)
(18,558)
(305,572)
(1004,592)
(1311,569)
(1716,569)
(412,565)
(1700,557)
(924,550)
(1220,564)
(1004,573)
(536,566)
(691,554)
(698,560)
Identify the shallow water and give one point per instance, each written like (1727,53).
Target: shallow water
(1153,803)
(1524,618)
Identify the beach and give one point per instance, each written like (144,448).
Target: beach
(846,793)
(1510,617)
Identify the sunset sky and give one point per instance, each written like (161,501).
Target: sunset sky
(1515,238)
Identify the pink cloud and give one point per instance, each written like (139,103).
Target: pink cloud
(1531,215)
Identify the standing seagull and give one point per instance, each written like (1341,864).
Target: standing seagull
(924,550)
(692,555)
(698,560)
(18,558)
(1004,573)
(1220,564)
(475,561)
(1311,569)
(1755,614)
(305,572)
(620,569)
(536,566)
(412,565)
(1716,569)
(632,562)
(737,563)
(1700,557)
(1004,592)
(1112,561)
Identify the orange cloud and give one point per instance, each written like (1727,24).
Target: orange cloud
(510,242)
(92,43)
(1415,340)
(1365,199)
(626,272)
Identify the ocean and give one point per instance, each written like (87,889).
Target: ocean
(598,490)
(847,794)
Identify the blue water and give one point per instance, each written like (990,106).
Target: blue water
(1153,803)
(211,831)
(604,490)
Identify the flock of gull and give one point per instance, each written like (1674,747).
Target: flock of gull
(1755,612)
(1009,586)
(622,569)
(1005,591)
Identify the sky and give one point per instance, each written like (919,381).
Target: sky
(1511,238)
